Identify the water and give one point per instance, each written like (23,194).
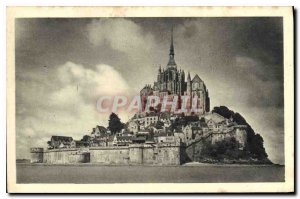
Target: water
(87,173)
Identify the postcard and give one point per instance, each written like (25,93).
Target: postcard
(150,100)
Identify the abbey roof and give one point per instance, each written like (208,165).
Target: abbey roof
(197,78)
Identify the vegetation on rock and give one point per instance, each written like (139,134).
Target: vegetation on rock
(255,143)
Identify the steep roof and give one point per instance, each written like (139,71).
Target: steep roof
(124,138)
(203,124)
(161,134)
(101,128)
(62,138)
(140,138)
(164,115)
(197,79)
(196,128)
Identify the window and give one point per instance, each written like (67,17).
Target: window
(196,85)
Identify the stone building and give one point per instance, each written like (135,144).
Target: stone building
(133,126)
(122,140)
(99,131)
(171,82)
(192,132)
(61,142)
(223,128)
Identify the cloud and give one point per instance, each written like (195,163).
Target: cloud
(70,109)
(266,92)
(121,34)
(124,36)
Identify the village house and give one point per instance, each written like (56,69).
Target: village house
(216,122)
(100,141)
(146,119)
(179,137)
(81,144)
(57,142)
(139,139)
(133,126)
(164,138)
(191,132)
(164,117)
(121,140)
(204,127)
(99,131)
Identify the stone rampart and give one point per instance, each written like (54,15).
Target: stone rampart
(161,154)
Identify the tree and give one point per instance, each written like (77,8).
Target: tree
(227,148)
(86,138)
(202,119)
(159,125)
(49,144)
(114,123)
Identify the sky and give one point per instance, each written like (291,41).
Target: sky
(63,65)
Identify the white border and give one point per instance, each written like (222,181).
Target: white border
(147,12)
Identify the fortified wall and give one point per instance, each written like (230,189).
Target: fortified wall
(36,155)
(161,154)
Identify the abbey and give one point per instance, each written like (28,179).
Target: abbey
(171,82)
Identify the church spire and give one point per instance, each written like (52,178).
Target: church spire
(172,45)
(171,62)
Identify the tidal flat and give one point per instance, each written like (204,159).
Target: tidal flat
(94,174)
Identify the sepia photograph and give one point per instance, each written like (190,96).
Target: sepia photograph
(197,98)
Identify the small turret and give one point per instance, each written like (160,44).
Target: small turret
(159,74)
(182,75)
(189,86)
(189,77)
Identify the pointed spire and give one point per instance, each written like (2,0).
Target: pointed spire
(171,62)
(172,45)
(189,77)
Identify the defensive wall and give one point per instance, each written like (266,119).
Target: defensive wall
(160,154)
(36,155)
